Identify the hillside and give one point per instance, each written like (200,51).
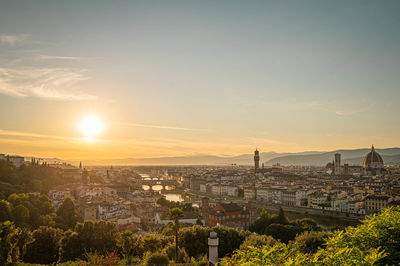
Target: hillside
(352,157)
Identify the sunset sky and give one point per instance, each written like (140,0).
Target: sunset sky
(169,78)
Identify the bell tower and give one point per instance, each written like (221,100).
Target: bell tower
(256,161)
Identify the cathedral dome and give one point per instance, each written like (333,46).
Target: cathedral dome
(372,158)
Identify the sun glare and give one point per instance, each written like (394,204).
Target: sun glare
(90,126)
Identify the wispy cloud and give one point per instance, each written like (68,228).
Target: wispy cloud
(13,40)
(159,126)
(49,83)
(57,57)
(28,73)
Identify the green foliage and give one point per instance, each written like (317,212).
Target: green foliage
(375,241)
(310,242)
(5,211)
(8,241)
(24,237)
(258,241)
(283,254)
(21,214)
(182,255)
(31,209)
(307,224)
(97,236)
(284,233)
(184,206)
(157,259)
(151,243)
(194,240)
(97,259)
(71,246)
(175,214)
(281,219)
(377,231)
(130,244)
(66,216)
(45,247)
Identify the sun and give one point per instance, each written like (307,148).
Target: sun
(90,126)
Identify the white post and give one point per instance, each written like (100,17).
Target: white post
(213,248)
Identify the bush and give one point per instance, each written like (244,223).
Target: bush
(284,233)
(45,247)
(258,241)
(157,259)
(182,255)
(310,242)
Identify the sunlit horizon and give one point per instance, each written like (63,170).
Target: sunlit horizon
(184,78)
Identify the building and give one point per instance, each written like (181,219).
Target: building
(373,163)
(250,193)
(262,194)
(256,161)
(337,164)
(90,212)
(232,191)
(17,161)
(288,197)
(232,215)
(375,203)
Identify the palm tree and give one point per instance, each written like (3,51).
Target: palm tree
(175,214)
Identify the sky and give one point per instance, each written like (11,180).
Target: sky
(173,78)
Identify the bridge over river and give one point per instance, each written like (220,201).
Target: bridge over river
(151,182)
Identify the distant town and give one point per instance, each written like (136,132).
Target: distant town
(138,198)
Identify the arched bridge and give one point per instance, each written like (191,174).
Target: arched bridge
(160,182)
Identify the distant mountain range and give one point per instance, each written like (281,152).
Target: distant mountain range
(352,157)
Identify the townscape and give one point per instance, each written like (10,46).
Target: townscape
(134,197)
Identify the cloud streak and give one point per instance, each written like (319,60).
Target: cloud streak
(48,83)
(13,40)
(159,126)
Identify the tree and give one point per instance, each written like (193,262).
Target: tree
(24,237)
(71,246)
(308,224)
(21,214)
(5,211)
(157,259)
(264,220)
(151,243)
(258,241)
(66,215)
(45,247)
(310,242)
(130,244)
(175,214)
(97,236)
(377,231)
(8,241)
(284,233)
(281,219)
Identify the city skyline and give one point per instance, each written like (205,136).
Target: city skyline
(180,78)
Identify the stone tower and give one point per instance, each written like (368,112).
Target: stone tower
(256,161)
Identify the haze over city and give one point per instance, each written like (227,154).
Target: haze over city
(139,79)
